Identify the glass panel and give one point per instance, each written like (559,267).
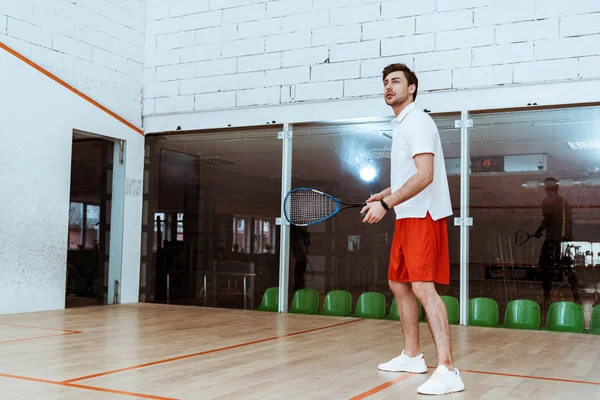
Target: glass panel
(209,193)
(350,161)
(524,165)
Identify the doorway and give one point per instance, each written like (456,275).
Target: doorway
(89,221)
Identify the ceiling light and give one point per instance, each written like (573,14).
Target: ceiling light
(368,173)
(584,144)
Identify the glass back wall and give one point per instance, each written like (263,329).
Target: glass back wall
(536,172)
(210,236)
(351,161)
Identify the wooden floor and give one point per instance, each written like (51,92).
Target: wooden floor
(150,351)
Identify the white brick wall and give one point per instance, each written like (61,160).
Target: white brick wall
(213,101)
(363,87)
(254,97)
(286,51)
(319,91)
(97,46)
(336,71)
(483,76)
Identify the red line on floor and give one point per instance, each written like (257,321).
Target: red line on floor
(381,387)
(543,378)
(402,377)
(38,337)
(85,387)
(38,327)
(235,346)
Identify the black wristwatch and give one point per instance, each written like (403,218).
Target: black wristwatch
(385,206)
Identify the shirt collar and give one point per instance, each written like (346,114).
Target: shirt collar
(404,113)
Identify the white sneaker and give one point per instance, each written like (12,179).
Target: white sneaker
(404,363)
(442,381)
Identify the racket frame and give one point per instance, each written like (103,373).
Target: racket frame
(529,236)
(337,201)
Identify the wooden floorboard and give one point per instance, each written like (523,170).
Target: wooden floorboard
(176,352)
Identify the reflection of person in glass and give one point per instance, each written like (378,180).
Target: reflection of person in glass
(557,223)
(300,240)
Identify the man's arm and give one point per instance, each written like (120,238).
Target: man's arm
(380,195)
(547,216)
(415,185)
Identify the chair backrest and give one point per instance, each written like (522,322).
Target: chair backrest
(565,316)
(483,312)
(393,314)
(370,305)
(337,303)
(305,301)
(522,314)
(270,300)
(452,308)
(595,321)
(422,313)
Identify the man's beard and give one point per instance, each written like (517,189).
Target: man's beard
(395,101)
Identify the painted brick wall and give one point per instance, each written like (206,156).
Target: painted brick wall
(97,46)
(221,54)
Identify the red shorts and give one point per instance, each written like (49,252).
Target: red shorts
(420,251)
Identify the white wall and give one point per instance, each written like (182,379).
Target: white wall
(37,119)
(96,46)
(207,55)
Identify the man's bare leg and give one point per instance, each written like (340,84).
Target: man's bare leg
(409,316)
(437,316)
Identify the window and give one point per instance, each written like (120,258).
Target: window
(84,226)
(263,239)
(163,229)
(239,235)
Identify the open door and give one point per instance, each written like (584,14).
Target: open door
(89,221)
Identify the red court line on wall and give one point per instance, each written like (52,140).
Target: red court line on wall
(85,387)
(405,376)
(71,88)
(235,346)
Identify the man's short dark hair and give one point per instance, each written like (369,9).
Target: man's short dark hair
(551,184)
(410,76)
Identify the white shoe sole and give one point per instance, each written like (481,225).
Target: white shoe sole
(415,370)
(459,388)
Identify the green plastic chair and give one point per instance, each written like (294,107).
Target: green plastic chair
(483,312)
(305,301)
(270,300)
(595,321)
(370,305)
(393,314)
(422,313)
(452,308)
(522,314)
(337,303)
(565,316)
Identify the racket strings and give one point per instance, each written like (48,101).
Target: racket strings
(521,237)
(307,206)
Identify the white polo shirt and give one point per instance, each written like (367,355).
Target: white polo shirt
(415,132)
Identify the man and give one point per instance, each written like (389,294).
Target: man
(299,241)
(419,257)
(557,223)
